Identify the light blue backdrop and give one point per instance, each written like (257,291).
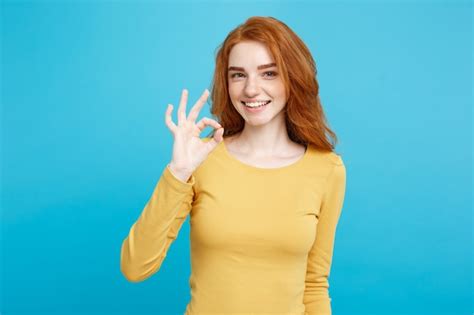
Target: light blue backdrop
(85,86)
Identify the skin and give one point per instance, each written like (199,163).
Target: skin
(189,151)
(264,139)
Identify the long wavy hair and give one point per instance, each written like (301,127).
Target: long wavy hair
(304,116)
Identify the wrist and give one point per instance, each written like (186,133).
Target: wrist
(182,174)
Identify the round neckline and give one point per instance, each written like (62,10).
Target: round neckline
(265,169)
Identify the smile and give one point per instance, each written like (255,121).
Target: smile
(255,104)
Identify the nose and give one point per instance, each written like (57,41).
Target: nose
(251,87)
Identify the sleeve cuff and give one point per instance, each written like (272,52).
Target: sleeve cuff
(177,183)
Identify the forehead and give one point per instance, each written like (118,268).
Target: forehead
(250,54)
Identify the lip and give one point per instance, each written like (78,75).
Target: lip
(257,109)
(253,101)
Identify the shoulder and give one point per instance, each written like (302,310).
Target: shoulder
(335,158)
(326,164)
(332,169)
(336,167)
(327,158)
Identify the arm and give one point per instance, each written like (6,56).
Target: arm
(145,248)
(316,296)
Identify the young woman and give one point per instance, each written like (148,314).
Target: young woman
(264,191)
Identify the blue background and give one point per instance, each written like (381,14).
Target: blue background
(85,86)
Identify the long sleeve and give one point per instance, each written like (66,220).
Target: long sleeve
(150,237)
(316,296)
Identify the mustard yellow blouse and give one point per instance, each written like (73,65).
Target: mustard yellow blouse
(262,239)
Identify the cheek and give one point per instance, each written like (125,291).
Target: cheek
(233,91)
(234,94)
(279,88)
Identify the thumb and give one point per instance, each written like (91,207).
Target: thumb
(216,139)
(218,135)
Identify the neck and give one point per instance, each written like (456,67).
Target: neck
(263,141)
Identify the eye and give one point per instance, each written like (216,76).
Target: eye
(234,74)
(273,73)
(267,73)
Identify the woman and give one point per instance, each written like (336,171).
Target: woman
(264,191)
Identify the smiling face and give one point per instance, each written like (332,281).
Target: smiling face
(254,79)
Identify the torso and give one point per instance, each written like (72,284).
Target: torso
(290,156)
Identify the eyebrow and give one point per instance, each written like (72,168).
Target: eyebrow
(268,65)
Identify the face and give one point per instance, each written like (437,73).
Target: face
(253,80)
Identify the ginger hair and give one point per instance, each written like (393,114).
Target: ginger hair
(304,116)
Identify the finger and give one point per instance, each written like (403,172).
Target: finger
(207,122)
(216,139)
(218,135)
(182,107)
(168,120)
(193,114)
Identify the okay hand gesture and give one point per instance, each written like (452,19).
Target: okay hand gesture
(189,151)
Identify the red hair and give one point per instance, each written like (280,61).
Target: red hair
(304,116)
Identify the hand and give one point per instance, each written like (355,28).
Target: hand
(189,151)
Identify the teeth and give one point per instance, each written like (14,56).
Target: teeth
(255,104)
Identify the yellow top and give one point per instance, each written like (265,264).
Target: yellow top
(262,239)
